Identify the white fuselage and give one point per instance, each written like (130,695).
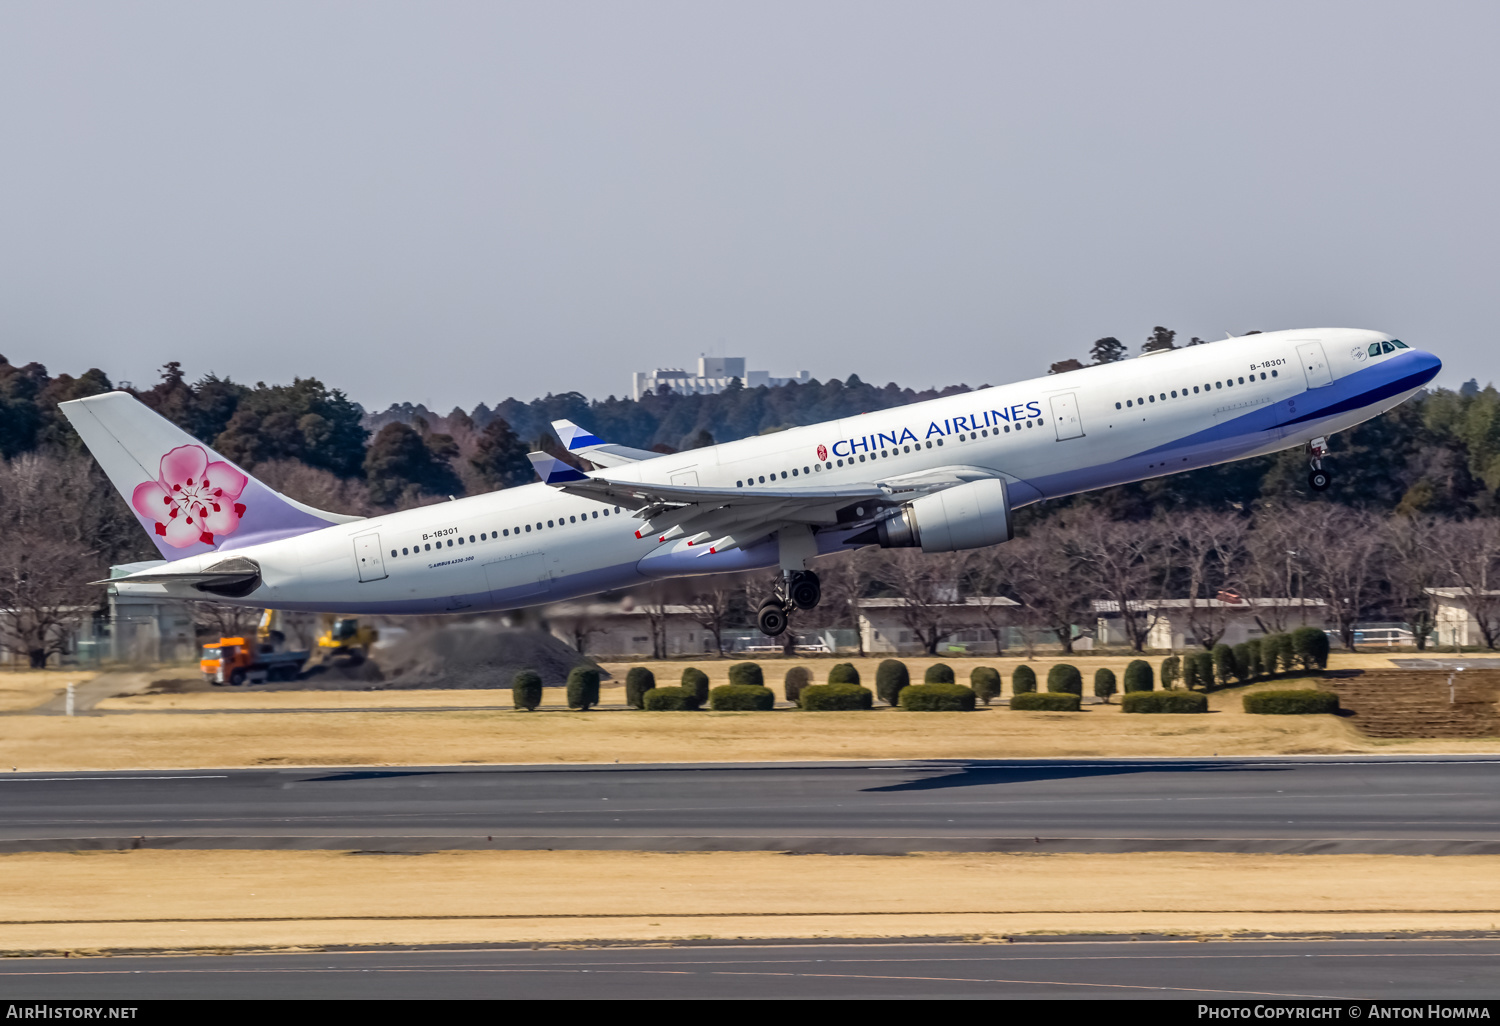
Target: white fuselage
(1046,437)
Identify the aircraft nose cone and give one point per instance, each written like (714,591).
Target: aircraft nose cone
(1427,365)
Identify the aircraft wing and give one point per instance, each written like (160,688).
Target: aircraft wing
(586,445)
(722,518)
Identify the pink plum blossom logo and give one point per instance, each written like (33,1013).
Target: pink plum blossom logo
(192,500)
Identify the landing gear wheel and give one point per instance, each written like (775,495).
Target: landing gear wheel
(771,619)
(1318,480)
(805,590)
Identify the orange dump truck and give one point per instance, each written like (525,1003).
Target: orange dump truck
(248,660)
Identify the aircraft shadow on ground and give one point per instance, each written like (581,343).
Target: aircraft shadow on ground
(990,774)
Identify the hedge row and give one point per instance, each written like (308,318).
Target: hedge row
(1291,703)
(1046,701)
(837,697)
(1164,702)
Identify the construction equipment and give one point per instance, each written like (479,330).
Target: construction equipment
(252,661)
(344,641)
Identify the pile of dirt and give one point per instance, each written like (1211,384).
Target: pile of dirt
(474,656)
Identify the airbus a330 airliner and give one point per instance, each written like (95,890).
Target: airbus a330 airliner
(940,475)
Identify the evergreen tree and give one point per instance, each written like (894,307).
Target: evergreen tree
(1108,350)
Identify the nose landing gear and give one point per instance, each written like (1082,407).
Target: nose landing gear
(1318,478)
(798,589)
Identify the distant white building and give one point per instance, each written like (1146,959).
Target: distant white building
(1456,613)
(1239,618)
(714,375)
(884,629)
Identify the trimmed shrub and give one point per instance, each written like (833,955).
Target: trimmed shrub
(1205,663)
(1292,703)
(696,682)
(583,688)
(1045,701)
(890,677)
(1065,679)
(1171,671)
(1138,676)
(937,697)
(1022,680)
(526,690)
(742,697)
(746,675)
(836,697)
(939,673)
(1165,702)
(1310,646)
(985,680)
(638,681)
(668,700)
(797,680)
(1104,683)
(1252,663)
(1225,668)
(843,673)
(1286,653)
(1244,671)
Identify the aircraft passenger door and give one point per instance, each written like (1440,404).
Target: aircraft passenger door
(1065,416)
(367,557)
(1314,364)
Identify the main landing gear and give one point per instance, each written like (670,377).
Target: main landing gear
(1318,479)
(798,589)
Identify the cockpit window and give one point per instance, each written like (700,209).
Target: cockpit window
(1399,344)
(1387,347)
(1374,348)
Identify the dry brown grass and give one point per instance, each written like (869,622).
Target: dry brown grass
(27,689)
(225,899)
(446,738)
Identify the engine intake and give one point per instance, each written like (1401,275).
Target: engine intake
(967,516)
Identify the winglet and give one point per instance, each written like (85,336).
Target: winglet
(553,470)
(573,436)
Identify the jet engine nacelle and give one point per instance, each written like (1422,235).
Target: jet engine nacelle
(966,516)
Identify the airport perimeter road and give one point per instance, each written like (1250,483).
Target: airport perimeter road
(1242,971)
(1436,805)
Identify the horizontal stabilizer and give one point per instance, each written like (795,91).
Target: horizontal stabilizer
(590,447)
(234,577)
(552,470)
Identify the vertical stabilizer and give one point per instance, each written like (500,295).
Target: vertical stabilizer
(189,499)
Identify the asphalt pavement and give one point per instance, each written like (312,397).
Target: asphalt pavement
(1453,971)
(1408,805)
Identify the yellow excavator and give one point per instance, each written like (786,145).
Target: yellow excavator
(344,642)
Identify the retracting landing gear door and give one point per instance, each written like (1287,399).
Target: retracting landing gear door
(368,558)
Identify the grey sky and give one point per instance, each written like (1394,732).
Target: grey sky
(458,202)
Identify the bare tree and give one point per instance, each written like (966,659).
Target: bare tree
(927,585)
(1126,563)
(1470,553)
(991,609)
(1341,554)
(712,606)
(1043,573)
(46,594)
(1209,548)
(1272,547)
(653,602)
(227,621)
(1415,549)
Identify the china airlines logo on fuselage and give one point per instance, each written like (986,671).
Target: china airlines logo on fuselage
(991,419)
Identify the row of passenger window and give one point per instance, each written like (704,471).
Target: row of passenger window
(504,532)
(882,454)
(1207,387)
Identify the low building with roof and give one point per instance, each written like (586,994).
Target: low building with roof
(1175,623)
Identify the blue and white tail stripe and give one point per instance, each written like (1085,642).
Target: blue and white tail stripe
(553,470)
(574,437)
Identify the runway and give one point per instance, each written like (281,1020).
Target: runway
(1405,805)
(1446,970)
